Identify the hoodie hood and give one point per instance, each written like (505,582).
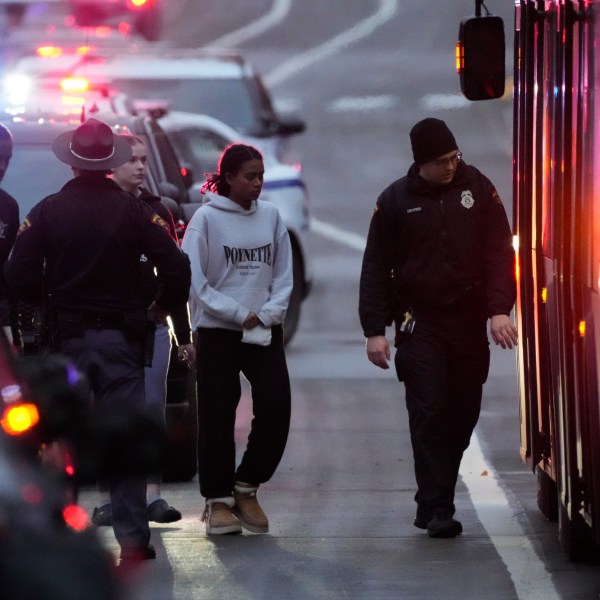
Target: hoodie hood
(223,203)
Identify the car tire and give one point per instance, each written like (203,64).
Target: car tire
(181,459)
(292,317)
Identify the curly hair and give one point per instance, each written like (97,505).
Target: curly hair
(231,161)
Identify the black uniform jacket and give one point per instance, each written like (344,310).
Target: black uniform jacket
(81,247)
(9,223)
(428,247)
(179,315)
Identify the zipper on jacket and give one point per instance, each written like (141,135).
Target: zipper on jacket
(443,235)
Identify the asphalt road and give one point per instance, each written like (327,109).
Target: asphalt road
(361,72)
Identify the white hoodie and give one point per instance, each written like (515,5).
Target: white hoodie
(241,262)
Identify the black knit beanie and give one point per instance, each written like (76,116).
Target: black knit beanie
(430,139)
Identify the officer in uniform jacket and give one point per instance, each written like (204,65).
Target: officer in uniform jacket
(9,224)
(438,263)
(78,254)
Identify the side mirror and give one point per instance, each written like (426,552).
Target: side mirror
(291,126)
(480,57)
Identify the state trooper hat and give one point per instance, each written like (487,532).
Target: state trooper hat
(430,139)
(92,146)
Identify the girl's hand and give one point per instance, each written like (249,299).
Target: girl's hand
(251,321)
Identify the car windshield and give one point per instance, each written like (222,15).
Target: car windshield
(223,99)
(34,173)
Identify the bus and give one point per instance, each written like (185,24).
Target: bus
(556,220)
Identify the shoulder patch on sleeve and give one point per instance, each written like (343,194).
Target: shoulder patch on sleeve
(25,225)
(159,221)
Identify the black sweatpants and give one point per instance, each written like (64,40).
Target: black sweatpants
(444,364)
(221,357)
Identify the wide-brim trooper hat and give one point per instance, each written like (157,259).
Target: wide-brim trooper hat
(92,146)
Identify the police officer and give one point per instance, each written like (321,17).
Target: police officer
(78,253)
(439,263)
(9,223)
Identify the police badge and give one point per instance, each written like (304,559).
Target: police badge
(467,199)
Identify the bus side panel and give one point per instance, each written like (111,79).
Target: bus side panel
(533,358)
(556,219)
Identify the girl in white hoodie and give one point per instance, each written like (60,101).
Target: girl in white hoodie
(241,261)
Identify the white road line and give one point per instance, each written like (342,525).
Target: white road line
(386,10)
(346,238)
(279,11)
(493,507)
(491,502)
(362,103)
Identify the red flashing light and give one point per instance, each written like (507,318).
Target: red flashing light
(20,418)
(183,171)
(75,517)
(124,28)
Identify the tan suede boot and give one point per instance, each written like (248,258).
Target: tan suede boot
(219,518)
(248,509)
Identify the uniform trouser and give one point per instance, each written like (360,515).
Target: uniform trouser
(155,390)
(221,357)
(114,368)
(444,364)
(156,383)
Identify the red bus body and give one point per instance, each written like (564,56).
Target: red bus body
(556,200)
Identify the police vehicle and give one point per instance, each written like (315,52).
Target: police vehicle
(143,16)
(214,82)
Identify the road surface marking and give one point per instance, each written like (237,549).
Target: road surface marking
(331,232)
(493,507)
(362,103)
(279,11)
(386,10)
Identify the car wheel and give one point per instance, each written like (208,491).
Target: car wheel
(292,318)
(181,460)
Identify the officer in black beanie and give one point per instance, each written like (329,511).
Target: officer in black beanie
(438,264)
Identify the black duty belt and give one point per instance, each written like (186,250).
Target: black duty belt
(102,321)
